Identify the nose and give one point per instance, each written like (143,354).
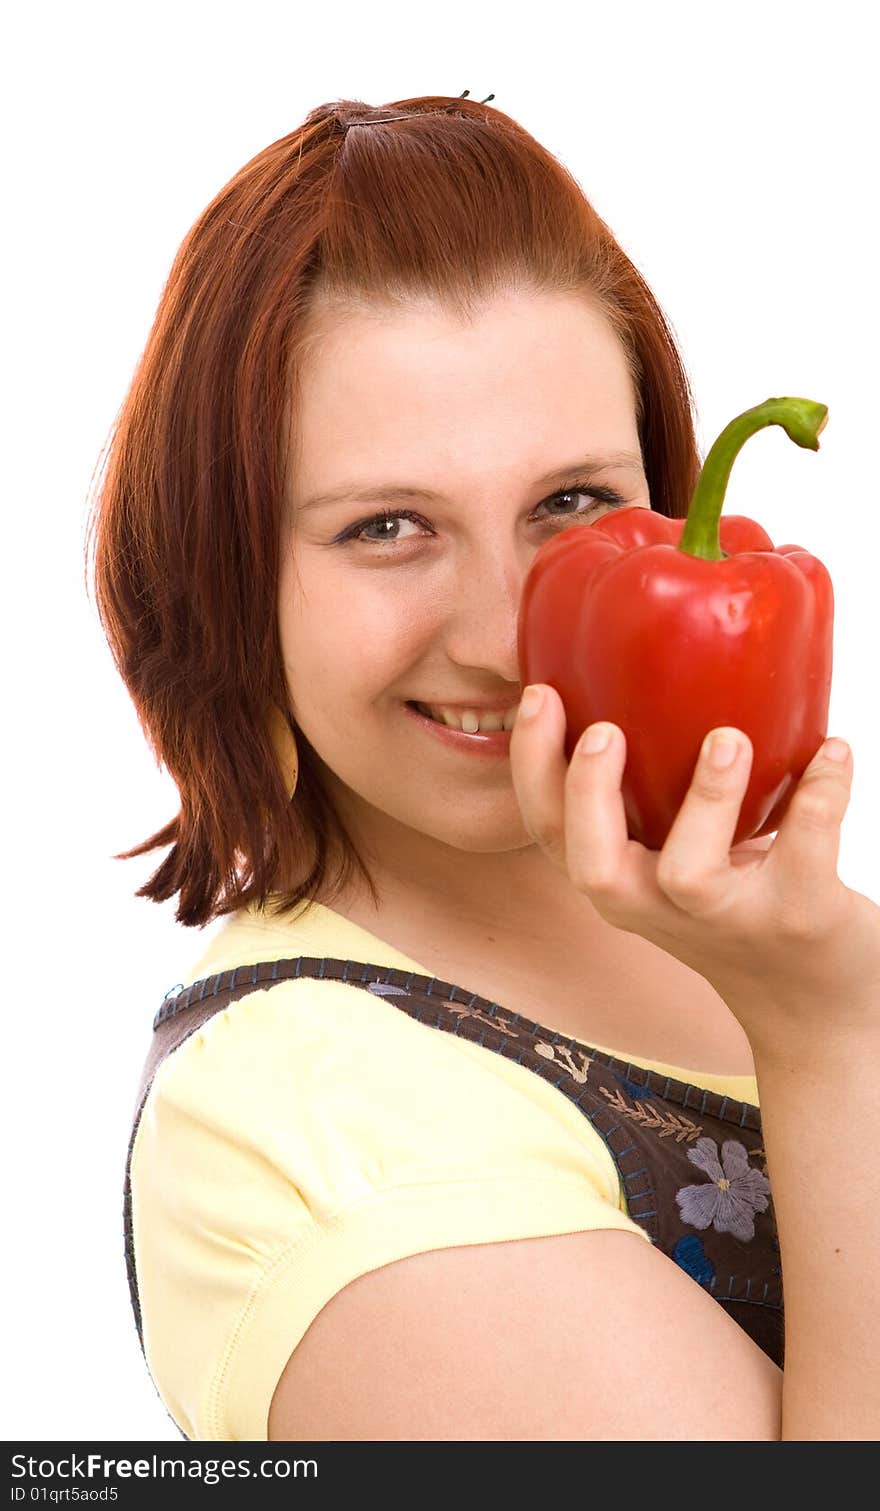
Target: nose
(482,607)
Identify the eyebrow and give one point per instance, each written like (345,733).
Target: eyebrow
(378,492)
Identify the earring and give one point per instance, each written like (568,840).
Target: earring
(284,745)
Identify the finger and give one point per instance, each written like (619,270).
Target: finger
(803,861)
(596,838)
(538,767)
(694,869)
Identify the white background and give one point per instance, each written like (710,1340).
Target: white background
(733,151)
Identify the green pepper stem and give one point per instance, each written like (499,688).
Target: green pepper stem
(803,420)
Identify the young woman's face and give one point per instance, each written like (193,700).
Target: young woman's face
(480,432)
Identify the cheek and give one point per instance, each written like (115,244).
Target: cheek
(368,667)
(352,640)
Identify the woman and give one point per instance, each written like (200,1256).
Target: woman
(456,1134)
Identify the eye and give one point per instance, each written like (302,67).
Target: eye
(597,496)
(388,518)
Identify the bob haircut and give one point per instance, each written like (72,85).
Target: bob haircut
(451,200)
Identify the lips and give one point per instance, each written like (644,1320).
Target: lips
(492,743)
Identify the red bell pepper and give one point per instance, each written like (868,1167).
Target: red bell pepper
(671,627)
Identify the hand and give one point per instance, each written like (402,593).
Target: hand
(768,923)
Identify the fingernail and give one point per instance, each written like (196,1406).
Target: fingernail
(596,738)
(530,702)
(836,750)
(722,751)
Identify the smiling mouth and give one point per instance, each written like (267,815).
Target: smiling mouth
(469,721)
(481,744)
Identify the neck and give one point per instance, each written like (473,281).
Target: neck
(516,893)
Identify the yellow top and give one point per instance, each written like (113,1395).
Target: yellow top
(312,1132)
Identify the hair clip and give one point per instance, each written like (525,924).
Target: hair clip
(382,120)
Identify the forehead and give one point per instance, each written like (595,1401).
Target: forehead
(402,372)
(536,320)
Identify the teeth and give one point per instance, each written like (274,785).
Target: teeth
(469,720)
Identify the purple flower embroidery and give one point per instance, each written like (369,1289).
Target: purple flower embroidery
(733,1196)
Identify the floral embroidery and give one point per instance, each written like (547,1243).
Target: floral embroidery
(668,1125)
(691,1256)
(578,1073)
(733,1194)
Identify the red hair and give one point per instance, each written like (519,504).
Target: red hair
(454,202)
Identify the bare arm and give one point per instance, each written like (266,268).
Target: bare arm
(585,1336)
(796,956)
(820,1115)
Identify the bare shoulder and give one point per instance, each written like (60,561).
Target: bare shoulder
(581,1336)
